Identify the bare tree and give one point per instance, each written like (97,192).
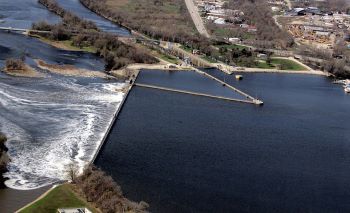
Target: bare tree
(72,172)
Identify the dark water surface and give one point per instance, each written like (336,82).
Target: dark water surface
(188,81)
(23,13)
(105,25)
(183,153)
(14,45)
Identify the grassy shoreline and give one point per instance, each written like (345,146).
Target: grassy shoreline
(62,196)
(65,45)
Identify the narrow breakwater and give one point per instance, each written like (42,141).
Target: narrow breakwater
(115,115)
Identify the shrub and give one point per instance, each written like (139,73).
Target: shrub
(101,189)
(13,64)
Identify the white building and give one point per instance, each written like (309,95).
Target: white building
(220,21)
(74,210)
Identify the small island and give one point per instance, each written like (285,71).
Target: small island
(17,67)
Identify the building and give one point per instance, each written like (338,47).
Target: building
(262,56)
(220,21)
(74,210)
(234,40)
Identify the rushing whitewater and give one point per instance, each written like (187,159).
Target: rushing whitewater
(56,121)
(51,124)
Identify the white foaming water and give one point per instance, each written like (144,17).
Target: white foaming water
(51,124)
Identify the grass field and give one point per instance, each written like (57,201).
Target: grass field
(264,65)
(67,45)
(187,49)
(282,64)
(167,16)
(287,64)
(168,58)
(62,196)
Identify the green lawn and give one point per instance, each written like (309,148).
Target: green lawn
(89,49)
(168,58)
(62,196)
(287,64)
(187,49)
(282,64)
(67,44)
(264,65)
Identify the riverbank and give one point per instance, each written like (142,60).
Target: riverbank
(4,159)
(70,70)
(61,196)
(64,44)
(24,70)
(86,191)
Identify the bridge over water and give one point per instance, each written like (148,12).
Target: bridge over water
(21,30)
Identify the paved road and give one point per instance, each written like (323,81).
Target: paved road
(289,4)
(198,22)
(11,199)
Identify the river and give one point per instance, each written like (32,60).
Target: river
(182,153)
(77,8)
(177,152)
(52,121)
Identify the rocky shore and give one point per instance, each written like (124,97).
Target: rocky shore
(4,159)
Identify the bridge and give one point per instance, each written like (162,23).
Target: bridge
(21,30)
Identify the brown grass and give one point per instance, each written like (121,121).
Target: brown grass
(169,15)
(70,70)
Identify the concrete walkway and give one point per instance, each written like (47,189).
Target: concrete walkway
(11,199)
(193,93)
(39,198)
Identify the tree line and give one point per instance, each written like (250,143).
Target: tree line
(99,188)
(155,23)
(169,32)
(72,21)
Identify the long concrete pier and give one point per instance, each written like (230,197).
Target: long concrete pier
(192,93)
(252,99)
(115,116)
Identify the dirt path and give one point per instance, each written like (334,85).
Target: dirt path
(198,22)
